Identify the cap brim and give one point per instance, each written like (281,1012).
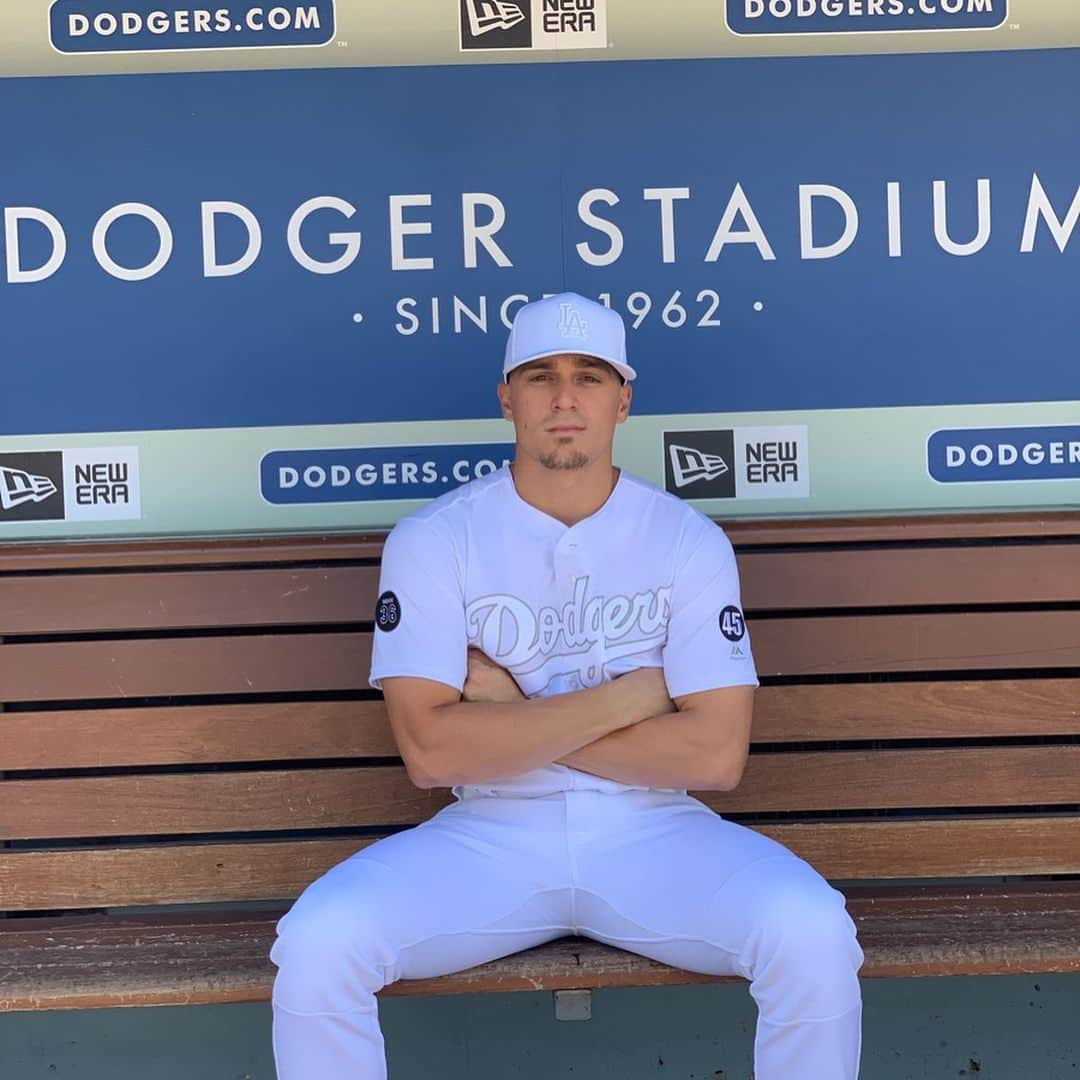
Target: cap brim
(625,370)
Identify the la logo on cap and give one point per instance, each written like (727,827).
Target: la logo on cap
(572,324)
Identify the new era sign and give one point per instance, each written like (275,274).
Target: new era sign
(32,486)
(738,463)
(533,24)
(700,464)
(78,484)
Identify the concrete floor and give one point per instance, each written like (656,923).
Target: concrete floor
(1000,1028)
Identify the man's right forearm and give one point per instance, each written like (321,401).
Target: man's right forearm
(477,741)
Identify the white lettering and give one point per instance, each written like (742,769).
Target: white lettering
(892,189)
(612,232)
(478,319)
(15,273)
(400,228)
(1039,206)
(666,198)
(350,241)
(133,209)
(739,205)
(482,234)
(807,194)
(211,267)
(404,309)
(941,231)
(504,310)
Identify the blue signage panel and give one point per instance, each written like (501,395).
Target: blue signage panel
(266,248)
(374,473)
(110,26)
(862,16)
(971,455)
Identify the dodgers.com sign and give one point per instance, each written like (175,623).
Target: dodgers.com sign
(364,474)
(108,26)
(1011,453)
(862,16)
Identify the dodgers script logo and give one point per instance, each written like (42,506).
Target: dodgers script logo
(553,651)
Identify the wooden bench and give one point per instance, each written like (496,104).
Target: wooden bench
(185,729)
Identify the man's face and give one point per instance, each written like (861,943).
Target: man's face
(564,409)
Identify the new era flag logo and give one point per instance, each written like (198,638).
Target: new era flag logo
(18,487)
(689,465)
(487,15)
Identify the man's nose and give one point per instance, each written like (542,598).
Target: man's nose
(565,395)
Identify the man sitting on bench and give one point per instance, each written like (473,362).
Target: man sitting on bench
(564,646)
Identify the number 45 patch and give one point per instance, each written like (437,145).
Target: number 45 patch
(732,623)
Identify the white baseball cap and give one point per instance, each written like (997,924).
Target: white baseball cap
(567,323)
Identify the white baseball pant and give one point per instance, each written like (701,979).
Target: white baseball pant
(656,873)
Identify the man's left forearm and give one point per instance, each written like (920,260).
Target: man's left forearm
(671,751)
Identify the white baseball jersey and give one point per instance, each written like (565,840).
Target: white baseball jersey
(646,581)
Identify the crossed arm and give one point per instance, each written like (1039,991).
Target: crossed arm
(628,730)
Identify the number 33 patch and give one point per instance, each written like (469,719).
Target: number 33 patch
(732,623)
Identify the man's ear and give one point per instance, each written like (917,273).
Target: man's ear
(503,391)
(626,394)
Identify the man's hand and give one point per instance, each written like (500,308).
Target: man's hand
(486,681)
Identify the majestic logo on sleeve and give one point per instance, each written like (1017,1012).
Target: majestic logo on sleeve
(553,650)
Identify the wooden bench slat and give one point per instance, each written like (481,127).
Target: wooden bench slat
(100,603)
(180,873)
(916,710)
(276,663)
(342,546)
(950,641)
(194,734)
(875,578)
(214,802)
(93,962)
(806,580)
(337,798)
(181,667)
(52,556)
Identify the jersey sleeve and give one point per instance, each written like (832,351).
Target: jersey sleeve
(420,612)
(708,644)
